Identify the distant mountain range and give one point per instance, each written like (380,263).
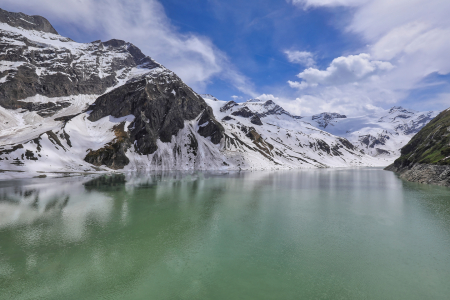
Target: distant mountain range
(379,134)
(102,106)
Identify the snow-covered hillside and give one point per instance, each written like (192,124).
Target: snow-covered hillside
(382,134)
(261,134)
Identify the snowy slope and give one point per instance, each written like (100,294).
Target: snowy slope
(281,142)
(382,134)
(262,134)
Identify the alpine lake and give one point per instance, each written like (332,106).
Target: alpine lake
(357,233)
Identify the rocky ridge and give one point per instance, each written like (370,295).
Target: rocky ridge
(426,158)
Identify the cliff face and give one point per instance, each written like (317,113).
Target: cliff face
(160,103)
(426,158)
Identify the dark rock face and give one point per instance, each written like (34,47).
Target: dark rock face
(323,119)
(424,173)
(371,141)
(381,151)
(256,120)
(275,109)
(210,127)
(160,103)
(243,112)
(27,22)
(322,145)
(46,109)
(32,67)
(228,105)
(346,143)
(227,118)
(329,116)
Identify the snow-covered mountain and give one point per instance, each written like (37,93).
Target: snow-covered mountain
(261,133)
(380,134)
(103,106)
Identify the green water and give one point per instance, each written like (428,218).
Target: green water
(314,234)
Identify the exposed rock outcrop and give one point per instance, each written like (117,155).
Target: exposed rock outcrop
(426,158)
(424,173)
(160,103)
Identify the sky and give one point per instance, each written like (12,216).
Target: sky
(348,56)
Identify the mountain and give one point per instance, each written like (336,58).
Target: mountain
(47,82)
(261,133)
(426,158)
(381,134)
(103,106)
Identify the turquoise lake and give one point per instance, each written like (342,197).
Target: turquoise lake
(306,234)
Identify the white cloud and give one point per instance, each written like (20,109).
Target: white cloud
(412,35)
(301,85)
(329,100)
(265,97)
(316,3)
(144,23)
(300,57)
(342,70)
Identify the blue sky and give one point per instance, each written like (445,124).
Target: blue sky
(346,56)
(256,34)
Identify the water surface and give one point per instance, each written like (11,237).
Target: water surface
(313,234)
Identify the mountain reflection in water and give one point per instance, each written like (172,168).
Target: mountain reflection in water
(312,234)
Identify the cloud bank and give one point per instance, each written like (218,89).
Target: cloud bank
(407,40)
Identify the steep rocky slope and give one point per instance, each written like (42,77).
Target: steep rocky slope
(426,158)
(159,103)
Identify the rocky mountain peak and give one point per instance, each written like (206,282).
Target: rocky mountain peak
(21,20)
(52,66)
(324,119)
(256,107)
(328,116)
(400,109)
